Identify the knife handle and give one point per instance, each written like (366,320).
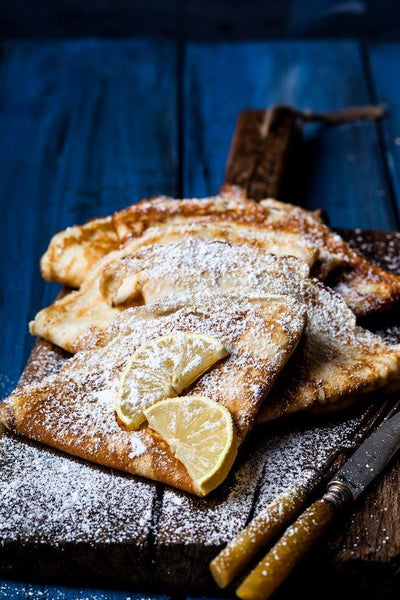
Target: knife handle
(234,558)
(273,569)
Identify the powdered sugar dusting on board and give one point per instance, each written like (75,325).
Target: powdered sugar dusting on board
(184,519)
(276,464)
(383,252)
(31,591)
(292,450)
(102,506)
(53,498)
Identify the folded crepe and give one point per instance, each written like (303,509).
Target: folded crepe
(71,253)
(281,228)
(335,360)
(75,250)
(73,410)
(71,320)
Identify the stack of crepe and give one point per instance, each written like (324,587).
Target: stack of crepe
(250,274)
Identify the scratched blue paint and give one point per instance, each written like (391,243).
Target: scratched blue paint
(87,128)
(343,169)
(385,75)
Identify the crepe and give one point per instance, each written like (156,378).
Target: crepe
(73,410)
(69,321)
(227,216)
(335,359)
(72,252)
(366,288)
(280,228)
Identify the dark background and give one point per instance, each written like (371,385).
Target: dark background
(202,19)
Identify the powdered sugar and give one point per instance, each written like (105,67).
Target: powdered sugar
(30,591)
(160,270)
(333,350)
(275,463)
(51,498)
(386,248)
(74,409)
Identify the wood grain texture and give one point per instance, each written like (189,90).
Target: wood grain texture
(383,62)
(260,151)
(73,147)
(221,80)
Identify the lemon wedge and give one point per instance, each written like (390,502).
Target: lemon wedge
(162,368)
(200,434)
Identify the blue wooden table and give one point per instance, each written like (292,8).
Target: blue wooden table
(91,126)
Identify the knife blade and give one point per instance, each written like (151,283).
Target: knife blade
(369,460)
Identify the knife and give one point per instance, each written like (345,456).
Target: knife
(346,487)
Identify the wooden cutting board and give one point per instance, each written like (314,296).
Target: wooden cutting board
(65,519)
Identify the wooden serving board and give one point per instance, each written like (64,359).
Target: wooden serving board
(62,518)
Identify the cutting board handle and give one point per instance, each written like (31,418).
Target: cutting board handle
(264,141)
(262,144)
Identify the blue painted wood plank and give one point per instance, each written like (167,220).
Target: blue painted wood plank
(11,590)
(87,127)
(343,170)
(384,61)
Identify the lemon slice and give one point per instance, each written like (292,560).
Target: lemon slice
(200,434)
(162,368)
